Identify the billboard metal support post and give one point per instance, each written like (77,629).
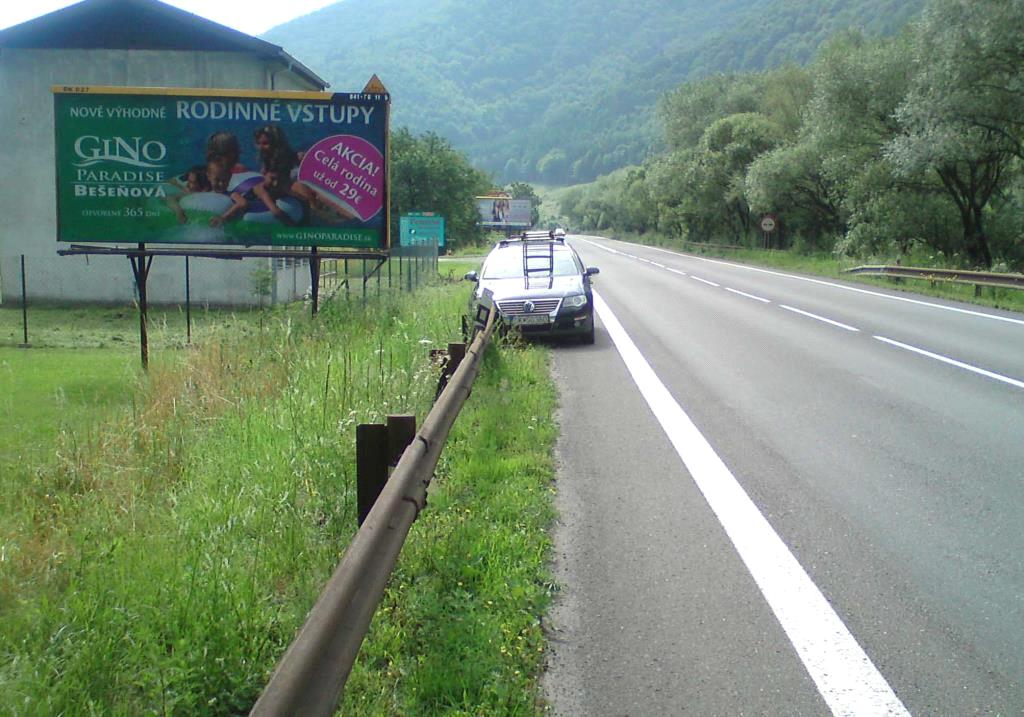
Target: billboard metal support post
(24,304)
(140,268)
(314,279)
(188,303)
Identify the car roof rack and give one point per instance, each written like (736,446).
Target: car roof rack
(534,237)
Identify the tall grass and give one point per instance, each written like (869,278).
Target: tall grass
(160,563)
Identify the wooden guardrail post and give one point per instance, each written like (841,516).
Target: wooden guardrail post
(378,448)
(456,352)
(401,431)
(371,466)
(450,363)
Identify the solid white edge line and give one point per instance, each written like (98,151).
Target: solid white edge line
(809,315)
(749,296)
(709,283)
(954,362)
(843,673)
(839,286)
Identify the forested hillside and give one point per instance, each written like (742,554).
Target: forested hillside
(560,91)
(909,147)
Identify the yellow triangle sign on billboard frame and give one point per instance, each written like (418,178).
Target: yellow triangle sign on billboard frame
(374,87)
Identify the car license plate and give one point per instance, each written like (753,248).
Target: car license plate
(531,319)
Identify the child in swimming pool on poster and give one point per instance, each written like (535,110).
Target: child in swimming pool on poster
(191,182)
(225,145)
(271,142)
(277,181)
(218,172)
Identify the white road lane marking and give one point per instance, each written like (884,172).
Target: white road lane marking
(676,271)
(705,281)
(749,296)
(843,673)
(908,300)
(954,362)
(819,318)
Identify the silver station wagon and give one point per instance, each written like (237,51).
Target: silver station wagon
(539,286)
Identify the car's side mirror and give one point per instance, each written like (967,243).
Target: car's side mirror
(591,270)
(471,276)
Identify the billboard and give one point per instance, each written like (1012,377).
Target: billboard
(504,212)
(421,228)
(230,167)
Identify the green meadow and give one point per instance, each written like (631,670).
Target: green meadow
(163,534)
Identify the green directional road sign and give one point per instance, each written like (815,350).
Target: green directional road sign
(421,228)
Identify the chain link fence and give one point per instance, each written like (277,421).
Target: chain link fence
(192,282)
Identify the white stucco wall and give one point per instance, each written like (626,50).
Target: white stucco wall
(27,183)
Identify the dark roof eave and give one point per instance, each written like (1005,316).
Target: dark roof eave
(57,30)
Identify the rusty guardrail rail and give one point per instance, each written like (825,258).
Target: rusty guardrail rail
(978,278)
(311,675)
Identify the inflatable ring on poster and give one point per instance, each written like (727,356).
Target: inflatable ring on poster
(206,202)
(292,207)
(242,182)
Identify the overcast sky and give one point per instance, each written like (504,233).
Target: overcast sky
(249,16)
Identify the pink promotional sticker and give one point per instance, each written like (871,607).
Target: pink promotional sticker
(347,172)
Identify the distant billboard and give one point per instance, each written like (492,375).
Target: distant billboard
(421,228)
(200,166)
(504,212)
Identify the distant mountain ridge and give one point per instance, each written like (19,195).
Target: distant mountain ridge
(559,91)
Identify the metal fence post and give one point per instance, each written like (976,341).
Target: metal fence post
(24,302)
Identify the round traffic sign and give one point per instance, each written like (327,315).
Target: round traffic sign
(768,223)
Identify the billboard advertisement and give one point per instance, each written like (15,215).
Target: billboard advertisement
(421,228)
(226,167)
(504,212)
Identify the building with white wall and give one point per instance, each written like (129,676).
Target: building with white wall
(132,43)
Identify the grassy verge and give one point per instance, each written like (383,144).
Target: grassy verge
(161,560)
(828,265)
(458,632)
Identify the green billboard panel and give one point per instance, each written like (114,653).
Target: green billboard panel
(421,228)
(225,167)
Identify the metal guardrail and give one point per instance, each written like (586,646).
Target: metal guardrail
(978,278)
(704,245)
(311,675)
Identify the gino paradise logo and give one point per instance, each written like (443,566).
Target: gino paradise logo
(133,151)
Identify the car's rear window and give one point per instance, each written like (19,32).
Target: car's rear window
(507,263)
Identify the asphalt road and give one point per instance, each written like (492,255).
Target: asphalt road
(878,438)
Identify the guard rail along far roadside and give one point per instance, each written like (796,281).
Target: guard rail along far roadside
(978,278)
(311,675)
